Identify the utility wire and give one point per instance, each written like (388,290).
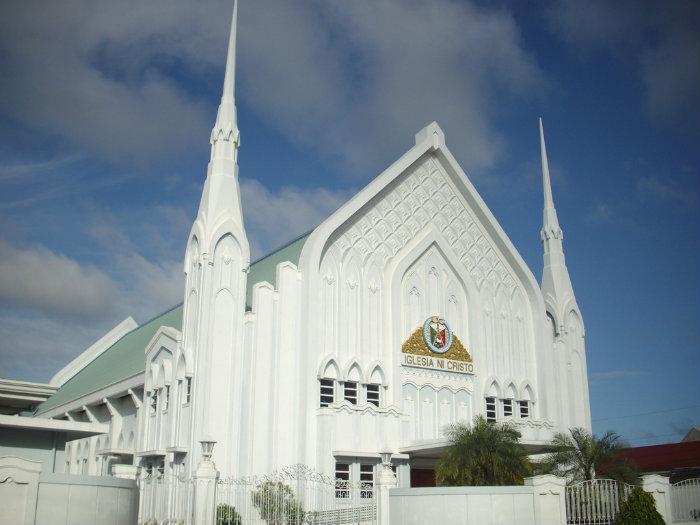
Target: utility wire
(646,413)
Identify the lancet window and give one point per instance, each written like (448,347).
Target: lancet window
(350,391)
(327,387)
(372,394)
(490,409)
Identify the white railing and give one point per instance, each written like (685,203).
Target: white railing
(595,502)
(685,500)
(295,495)
(166,499)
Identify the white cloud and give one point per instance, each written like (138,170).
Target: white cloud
(351,80)
(274,217)
(618,374)
(42,280)
(650,188)
(662,38)
(601,213)
(671,75)
(89,73)
(35,347)
(355,80)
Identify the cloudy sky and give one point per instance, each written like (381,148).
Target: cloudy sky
(106,107)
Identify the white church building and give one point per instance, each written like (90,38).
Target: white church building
(405,311)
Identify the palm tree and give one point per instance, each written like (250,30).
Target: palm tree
(483,454)
(580,455)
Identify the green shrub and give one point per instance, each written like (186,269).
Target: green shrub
(482,454)
(640,509)
(277,503)
(227,515)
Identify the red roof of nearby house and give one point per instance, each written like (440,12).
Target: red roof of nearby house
(664,458)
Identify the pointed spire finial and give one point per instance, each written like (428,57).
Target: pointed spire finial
(230,76)
(226,126)
(548,201)
(550,223)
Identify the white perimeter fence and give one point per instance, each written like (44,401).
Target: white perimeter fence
(598,502)
(595,502)
(685,500)
(166,499)
(298,495)
(295,495)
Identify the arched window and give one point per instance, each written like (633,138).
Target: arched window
(507,401)
(350,385)
(492,394)
(327,381)
(525,403)
(373,389)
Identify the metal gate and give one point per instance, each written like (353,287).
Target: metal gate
(685,500)
(595,502)
(294,495)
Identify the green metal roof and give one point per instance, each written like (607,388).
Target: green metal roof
(126,357)
(123,359)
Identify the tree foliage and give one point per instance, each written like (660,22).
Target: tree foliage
(483,454)
(579,455)
(277,504)
(227,515)
(639,509)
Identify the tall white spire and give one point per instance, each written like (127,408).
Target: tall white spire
(550,223)
(568,357)
(216,262)
(221,194)
(226,126)
(555,277)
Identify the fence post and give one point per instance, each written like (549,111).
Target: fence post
(660,488)
(205,478)
(387,481)
(549,495)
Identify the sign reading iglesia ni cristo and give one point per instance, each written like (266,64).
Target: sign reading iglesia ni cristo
(434,346)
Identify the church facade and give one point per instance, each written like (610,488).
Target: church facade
(404,312)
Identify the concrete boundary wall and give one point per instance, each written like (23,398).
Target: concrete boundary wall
(101,500)
(29,497)
(539,502)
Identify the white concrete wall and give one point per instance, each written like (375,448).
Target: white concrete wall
(539,502)
(463,506)
(78,500)
(30,497)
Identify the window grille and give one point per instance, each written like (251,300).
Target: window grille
(524,409)
(350,392)
(490,409)
(326,392)
(366,480)
(342,480)
(188,389)
(507,405)
(373,394)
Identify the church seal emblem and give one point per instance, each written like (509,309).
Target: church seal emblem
(437,334)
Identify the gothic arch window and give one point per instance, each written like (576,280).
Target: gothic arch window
(327,379)
(492,395)
(525,402)
(350,385)
(373,389)
(508,400)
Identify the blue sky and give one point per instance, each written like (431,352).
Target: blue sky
(105,112)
